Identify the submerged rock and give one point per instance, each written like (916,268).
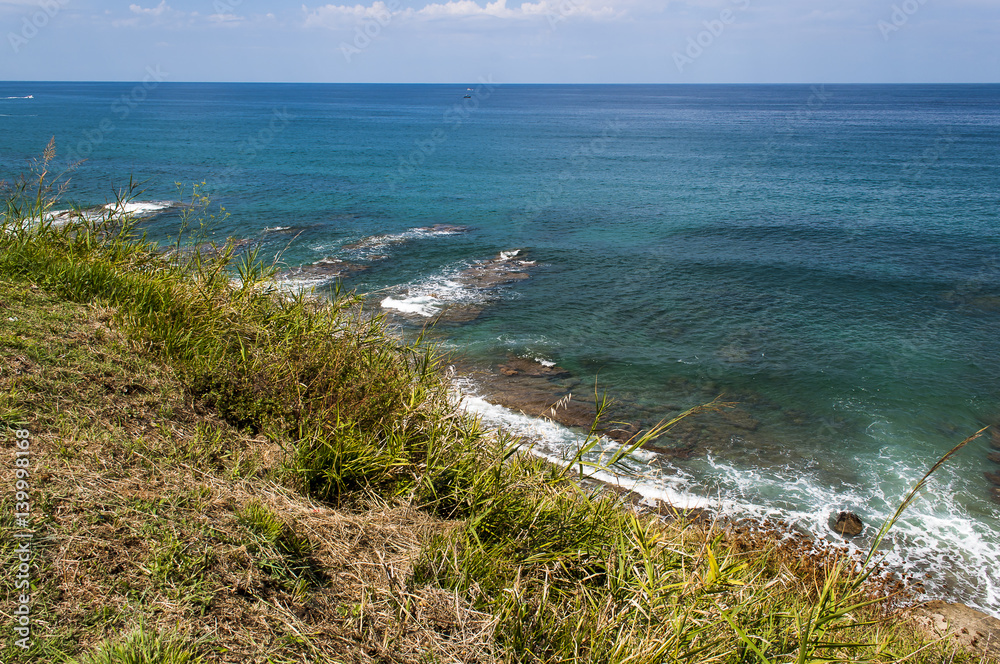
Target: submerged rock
(325,268)
(443,229)
(391,239)
(487,274)
(994,457)
(848,524)
(459,297)
(521,366)
(536,390)
(992,478)
(740,419)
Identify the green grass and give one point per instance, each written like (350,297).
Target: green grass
(567,574)
(282,552)
(142,647)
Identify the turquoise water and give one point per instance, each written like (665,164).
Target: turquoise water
(827,256)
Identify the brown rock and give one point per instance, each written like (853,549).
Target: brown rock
(987,302)
(994,457)
(443,228)
(516,366)
(848,524)
(505,268)
(456,314)
(330,268)
(969,628)
(992,478)
(740,419)
(623,431)
(490,277)
(527,395)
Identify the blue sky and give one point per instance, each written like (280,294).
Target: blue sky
(510,41)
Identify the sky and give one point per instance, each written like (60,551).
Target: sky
(507,41)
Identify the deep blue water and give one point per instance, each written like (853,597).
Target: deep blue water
(827,256)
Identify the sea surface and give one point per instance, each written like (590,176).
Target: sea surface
(827,257)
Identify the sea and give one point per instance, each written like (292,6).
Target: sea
(825,258)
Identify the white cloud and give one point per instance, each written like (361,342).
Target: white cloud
(469,8)
(334,16)
(20,5)
(148,15)
(163,15)
(339,16)
(158,10)
(228,19)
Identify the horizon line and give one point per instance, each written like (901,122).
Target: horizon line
(459,82)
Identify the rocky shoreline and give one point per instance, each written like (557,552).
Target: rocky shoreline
(540,389)
(544,390)
(361,255)
(462,296)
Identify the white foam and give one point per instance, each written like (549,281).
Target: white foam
(302,279)
(275,229)
(61,217)
(421,305)
(645,472)
(292,283)
(133,209)
(428,297)
(26,97)
(138,208)
(936,534)
(373,243)
(507,255)
(544,362)
(443,230)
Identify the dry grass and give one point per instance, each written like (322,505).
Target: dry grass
(138,502)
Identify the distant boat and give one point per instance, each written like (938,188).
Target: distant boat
(467,97)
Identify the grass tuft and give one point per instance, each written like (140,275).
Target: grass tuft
(143,647)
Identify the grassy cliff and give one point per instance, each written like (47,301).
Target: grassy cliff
(220,472)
